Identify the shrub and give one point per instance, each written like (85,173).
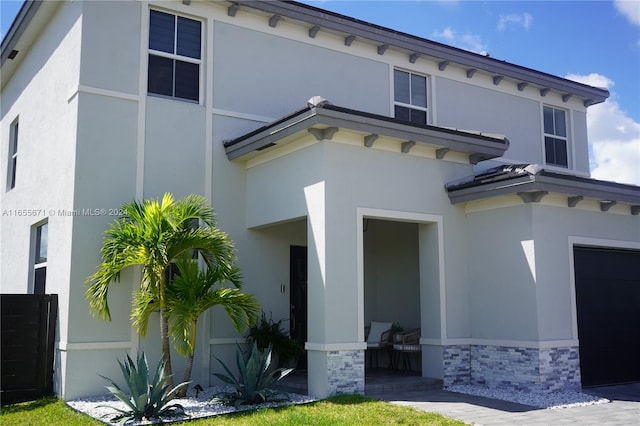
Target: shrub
(267,332)
(149,399)
(254,384)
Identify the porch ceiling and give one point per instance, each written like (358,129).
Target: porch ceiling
(323,120)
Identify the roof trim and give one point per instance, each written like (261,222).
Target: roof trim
(421,46)
(518,179)
(478,145)
(18,27)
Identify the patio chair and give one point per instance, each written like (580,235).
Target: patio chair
(378,336)
(404,344)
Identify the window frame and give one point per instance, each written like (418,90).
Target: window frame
(175,57)
(555,137)
(410,105)
(38,265)
(13,154)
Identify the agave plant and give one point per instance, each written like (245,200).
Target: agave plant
(149,399)
(254,385)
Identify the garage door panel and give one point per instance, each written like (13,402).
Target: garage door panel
(608,310)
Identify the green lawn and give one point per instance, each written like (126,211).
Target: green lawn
(338,410)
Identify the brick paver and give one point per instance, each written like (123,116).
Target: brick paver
(623,410)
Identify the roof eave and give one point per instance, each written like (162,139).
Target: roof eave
(479,146)
(17,28)
(591,189)
(386,36)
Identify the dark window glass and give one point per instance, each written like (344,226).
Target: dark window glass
(560,123)
(187,80)
(14,141)
(39,280)
(161,31)
(188,37)
(42,243)
(418,90)
(401,87)
(556,151)
(561,152)
(402,113)
(13,155)
(418,116)
(160,75)
(14,163)
(548,120)
(549,150)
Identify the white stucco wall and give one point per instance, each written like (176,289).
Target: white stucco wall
(521,265)
(556,230)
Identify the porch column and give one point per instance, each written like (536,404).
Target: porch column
(335,355)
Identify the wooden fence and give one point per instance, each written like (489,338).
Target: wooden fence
(28,331)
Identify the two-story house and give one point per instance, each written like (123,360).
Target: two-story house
(364,174)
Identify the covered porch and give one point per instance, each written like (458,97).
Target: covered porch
(368,192)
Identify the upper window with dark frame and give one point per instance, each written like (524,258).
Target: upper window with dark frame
(175,50)
(410,96)
(555,136)
(13,156)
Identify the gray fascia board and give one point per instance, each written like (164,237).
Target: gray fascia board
(567,187)
(17,28)
(456,140)
(415,44)
(272,135)
(450,139)
(493,189)
(589,189)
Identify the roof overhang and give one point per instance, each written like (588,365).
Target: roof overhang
(325,119)
(31,19)
(532,183)
(414,46)
(27,26)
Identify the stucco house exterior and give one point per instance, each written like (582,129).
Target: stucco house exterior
(363,173)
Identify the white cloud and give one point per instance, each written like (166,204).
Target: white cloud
(614,137)
(515,20)
(630,9)
(469,42)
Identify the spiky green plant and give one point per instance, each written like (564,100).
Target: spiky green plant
(147,399)
(254,385)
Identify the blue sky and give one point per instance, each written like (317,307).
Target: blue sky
(595,42)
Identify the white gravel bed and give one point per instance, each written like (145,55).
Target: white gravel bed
(202,406)
(549,400)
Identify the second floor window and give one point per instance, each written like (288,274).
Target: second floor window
(13,156)
(174,56)
(410,96)
(555,136)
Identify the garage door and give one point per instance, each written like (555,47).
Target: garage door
(608,308)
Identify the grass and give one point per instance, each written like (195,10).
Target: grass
(338,410)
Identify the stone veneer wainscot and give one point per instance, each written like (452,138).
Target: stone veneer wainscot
(346,372)
(527,369)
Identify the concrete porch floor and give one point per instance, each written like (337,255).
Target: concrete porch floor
(376,381)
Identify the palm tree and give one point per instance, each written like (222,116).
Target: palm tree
(192,292)
(152,235)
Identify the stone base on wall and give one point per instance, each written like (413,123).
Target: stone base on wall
(527,369)
(345,372)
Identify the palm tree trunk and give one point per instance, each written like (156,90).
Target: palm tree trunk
(189,367)
(187,376)
(164,341)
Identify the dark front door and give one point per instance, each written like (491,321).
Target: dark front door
(608,310)
(298,297)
